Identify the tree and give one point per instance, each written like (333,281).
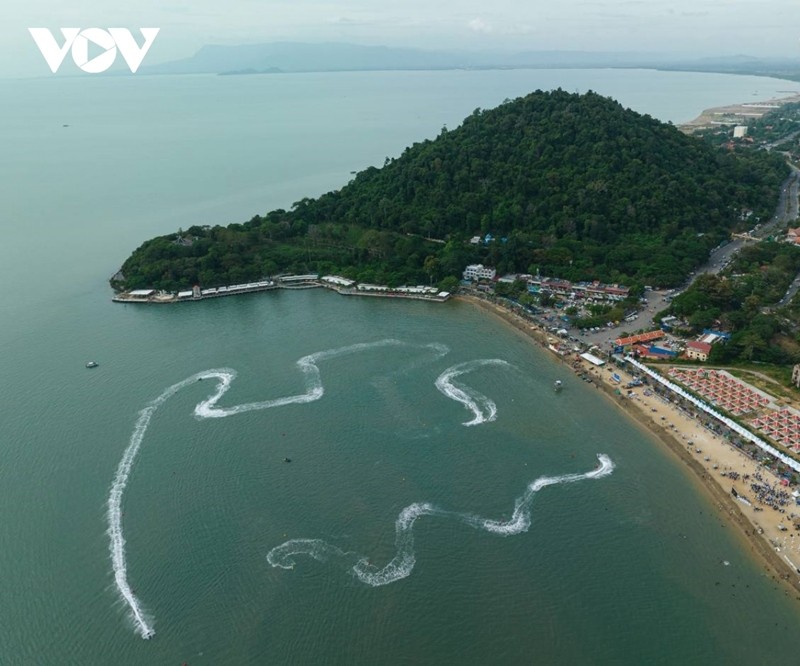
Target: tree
(575,185)
(431,267)
(449,284)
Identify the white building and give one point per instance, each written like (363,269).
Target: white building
(740,131)
(338,280)
(479,272)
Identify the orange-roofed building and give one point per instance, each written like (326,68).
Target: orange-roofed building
(639,339)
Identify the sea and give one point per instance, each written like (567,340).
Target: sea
(442,504)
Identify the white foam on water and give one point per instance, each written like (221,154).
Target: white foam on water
(483,409)
(404,560)
(282,556)
(208,408)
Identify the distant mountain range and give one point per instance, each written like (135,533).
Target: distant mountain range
(294,57)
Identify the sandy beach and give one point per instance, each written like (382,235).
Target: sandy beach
(768,534)
(737,113)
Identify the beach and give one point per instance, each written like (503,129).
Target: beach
(741,113)
(719,467)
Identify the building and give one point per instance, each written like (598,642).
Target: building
(740,131)
(793,236)
(653,352)
(639,339)
(479,272)
(698,351)
(796,375)
(578,290)
(338,280)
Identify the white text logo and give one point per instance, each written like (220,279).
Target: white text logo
(78,40)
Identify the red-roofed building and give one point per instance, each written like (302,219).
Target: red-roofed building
(698,351)
(793,236)
(637,339)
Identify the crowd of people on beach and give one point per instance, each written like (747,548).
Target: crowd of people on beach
(771,495)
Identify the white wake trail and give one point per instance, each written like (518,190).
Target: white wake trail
(483,409)
(402,564)
(208,409)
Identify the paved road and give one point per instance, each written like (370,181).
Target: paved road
(787,205)
(792,209)
(785,212)
(770,146)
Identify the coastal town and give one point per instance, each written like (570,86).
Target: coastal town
(737,429)
(743,438)
(381,333)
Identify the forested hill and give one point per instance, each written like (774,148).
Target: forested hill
(569,185)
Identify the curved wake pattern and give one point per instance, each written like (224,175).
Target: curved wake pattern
(207,409)
(402,564)
(483,409)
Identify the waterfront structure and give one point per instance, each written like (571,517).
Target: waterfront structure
(338,280)
(479,272)
(336,283)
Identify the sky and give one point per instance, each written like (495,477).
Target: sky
(682,27)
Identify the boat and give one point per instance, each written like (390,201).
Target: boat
(92,364)
(557,385)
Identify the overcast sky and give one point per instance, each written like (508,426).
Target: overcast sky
(694,27)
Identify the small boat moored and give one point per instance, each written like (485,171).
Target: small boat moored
(92,364)
(557,385)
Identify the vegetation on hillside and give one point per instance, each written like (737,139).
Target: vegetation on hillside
(745,301)
(568,185)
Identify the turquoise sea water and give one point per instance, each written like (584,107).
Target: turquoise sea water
(622,569)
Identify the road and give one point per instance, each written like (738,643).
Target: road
(786,211)
(770,146)
(792,209)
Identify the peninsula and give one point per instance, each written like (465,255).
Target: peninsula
(558,184)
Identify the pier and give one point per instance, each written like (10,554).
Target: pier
(340,285)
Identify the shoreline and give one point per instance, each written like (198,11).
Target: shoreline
(733,114)
(758,531)
(294,283)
